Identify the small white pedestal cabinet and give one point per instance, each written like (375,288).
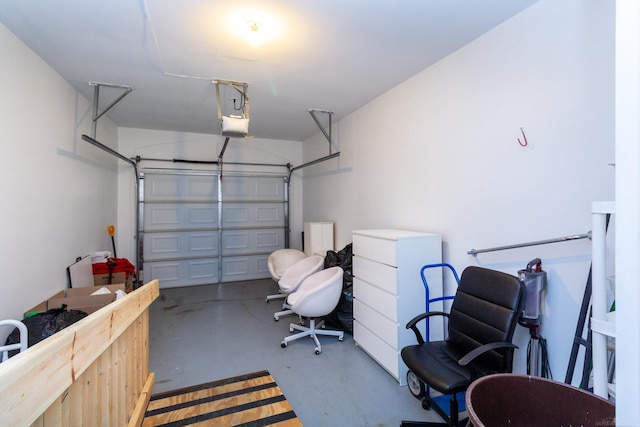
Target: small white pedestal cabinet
(388,292)
(318,238)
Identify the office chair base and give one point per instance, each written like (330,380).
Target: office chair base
(312,331)
(278,296)
(278,315)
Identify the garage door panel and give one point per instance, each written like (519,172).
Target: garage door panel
(252,189)
(236,268)
(169,216)
(176,187)
(180,244)
(182,272)
(251,241)
(252,215)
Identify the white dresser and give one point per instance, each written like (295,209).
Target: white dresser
(388,292)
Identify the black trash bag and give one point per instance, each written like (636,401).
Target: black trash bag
(342,316)
(43,325)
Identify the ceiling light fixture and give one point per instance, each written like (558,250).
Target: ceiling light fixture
(254,36)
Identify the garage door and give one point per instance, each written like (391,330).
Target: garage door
(198,228)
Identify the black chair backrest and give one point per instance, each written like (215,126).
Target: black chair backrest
(485,309)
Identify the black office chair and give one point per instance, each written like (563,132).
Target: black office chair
(481,324)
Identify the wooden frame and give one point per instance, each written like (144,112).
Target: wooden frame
(94,372)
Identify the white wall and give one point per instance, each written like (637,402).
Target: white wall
(627,211)
(440,153)
(58,192)
(155,144)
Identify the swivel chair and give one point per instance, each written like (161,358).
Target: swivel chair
(294,276)
(481,324)
(278,262)
(317,296)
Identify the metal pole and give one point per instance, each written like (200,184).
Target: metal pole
(94,120)
(474,252)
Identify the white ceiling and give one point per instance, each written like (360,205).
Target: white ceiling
(334,55)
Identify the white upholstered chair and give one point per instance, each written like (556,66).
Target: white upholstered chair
(316,297)
(294,276)
(278,262)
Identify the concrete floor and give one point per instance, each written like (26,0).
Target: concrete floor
(205,333)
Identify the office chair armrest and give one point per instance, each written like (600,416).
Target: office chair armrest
(412,323)
(467,358)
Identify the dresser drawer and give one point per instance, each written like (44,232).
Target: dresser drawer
(385,355)
(380,325)
(383,302)
(380,250)
(380,275)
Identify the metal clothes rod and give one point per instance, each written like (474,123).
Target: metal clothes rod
(474,252)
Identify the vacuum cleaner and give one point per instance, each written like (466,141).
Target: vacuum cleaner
(535,281)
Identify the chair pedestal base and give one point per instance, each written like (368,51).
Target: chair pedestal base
(285,312)
(277,296)
(312,331)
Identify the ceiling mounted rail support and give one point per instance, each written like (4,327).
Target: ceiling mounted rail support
(326,132)
(236,125)
(96,98)
(475,252)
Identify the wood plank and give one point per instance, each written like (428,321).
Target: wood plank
(137,416)
(252,398)
(32,380)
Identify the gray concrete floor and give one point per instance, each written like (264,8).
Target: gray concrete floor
(205,333)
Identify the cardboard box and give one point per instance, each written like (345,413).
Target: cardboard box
(116,278)
(78,299)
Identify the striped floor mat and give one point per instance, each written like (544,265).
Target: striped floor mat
(248,400)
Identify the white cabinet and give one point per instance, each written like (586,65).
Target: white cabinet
(318,237)
(388,292)
(602,323)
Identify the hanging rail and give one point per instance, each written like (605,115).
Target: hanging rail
(587,235)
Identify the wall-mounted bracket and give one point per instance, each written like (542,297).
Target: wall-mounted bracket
(96,98)
(326,132)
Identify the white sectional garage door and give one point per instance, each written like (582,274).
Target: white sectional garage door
(200,228)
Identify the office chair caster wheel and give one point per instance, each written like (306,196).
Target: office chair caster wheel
(283,344)
(276,318)
(290,330)
(416,386)
(340,339)
(318,351)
